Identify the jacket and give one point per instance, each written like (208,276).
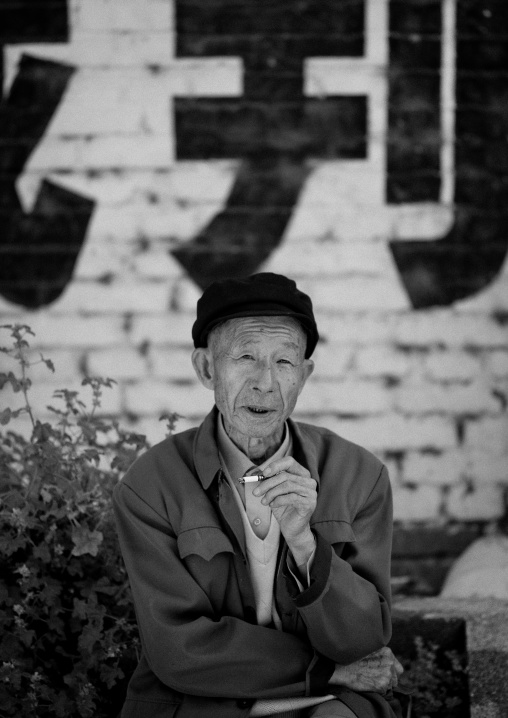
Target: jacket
(183,544)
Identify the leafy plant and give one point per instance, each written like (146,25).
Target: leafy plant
(68,636)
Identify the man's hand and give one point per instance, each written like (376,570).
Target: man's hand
(290,491)
(377,672)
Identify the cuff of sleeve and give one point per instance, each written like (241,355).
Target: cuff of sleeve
(319,575)
(318,674)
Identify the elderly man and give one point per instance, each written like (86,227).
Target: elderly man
(258,548)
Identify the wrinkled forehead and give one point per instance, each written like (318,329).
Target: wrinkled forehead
(282,330)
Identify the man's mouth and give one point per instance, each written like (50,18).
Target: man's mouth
(258,410)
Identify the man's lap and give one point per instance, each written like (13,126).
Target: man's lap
(332,709)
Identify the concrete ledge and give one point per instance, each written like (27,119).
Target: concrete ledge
(486,627)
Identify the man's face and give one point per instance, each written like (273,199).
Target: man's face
(257,369)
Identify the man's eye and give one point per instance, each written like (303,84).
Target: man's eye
(246,356)
(284,361)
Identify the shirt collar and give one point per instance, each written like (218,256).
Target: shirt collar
(238,463)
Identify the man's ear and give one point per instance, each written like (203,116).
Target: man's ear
(202,361)
(308,368)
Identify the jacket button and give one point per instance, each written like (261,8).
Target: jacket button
(243,703)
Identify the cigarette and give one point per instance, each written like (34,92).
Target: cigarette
(251,479)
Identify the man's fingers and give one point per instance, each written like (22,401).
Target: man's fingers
(287,463)
(287,487)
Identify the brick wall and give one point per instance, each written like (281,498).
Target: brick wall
(150,146)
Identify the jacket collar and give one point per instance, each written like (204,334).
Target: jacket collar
(206,452)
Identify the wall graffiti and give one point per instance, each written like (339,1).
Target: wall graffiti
(277,133)
(39,249)
(469,257)
(274,129)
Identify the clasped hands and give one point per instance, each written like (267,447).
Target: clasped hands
(291,493)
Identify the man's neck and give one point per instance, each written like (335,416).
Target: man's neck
(257,449)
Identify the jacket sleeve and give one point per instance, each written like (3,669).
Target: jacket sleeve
(346,609)
(187,645)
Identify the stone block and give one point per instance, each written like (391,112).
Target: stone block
(475,503)
(484,467)
(115,297)
(154,397)
(53,331)
(155,430)
(127,15)
(41,395)
(382,361)
(393,432)
(355,293)
(172,363)
(486,641)
(331,360)
(344,397)
(452,366)
(497,363)
(443,469)
(446,328)
(421,503)
(487,434)
(119,363)
(356,328)
(424,398)
(162,329)
(67,363)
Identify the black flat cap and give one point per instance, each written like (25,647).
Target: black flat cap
(265,294)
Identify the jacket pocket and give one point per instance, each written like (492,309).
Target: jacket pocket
(335,531)
(204,541)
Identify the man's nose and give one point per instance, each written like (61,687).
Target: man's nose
(263,379)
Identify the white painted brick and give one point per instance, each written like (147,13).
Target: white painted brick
(54,153)
(111,49)
(421,503)
(344,397)
(207,77)
(173,328)
(392,466)
(134,151)
(488,434)
(382,361)
(425,398)
(487,468)
(331,360)
(149,397)
(443,469)
(155,430)
(117,364)
(65,331)
(115,297)
(498,363)
(41,395)
(484,503)
(355,293)
(184,295)
(99,15)
(356,328)
(67,365)
(493,299)
(198,181)
(323,256)
(392,432)
(452,366)
(172,363)
(447,328)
